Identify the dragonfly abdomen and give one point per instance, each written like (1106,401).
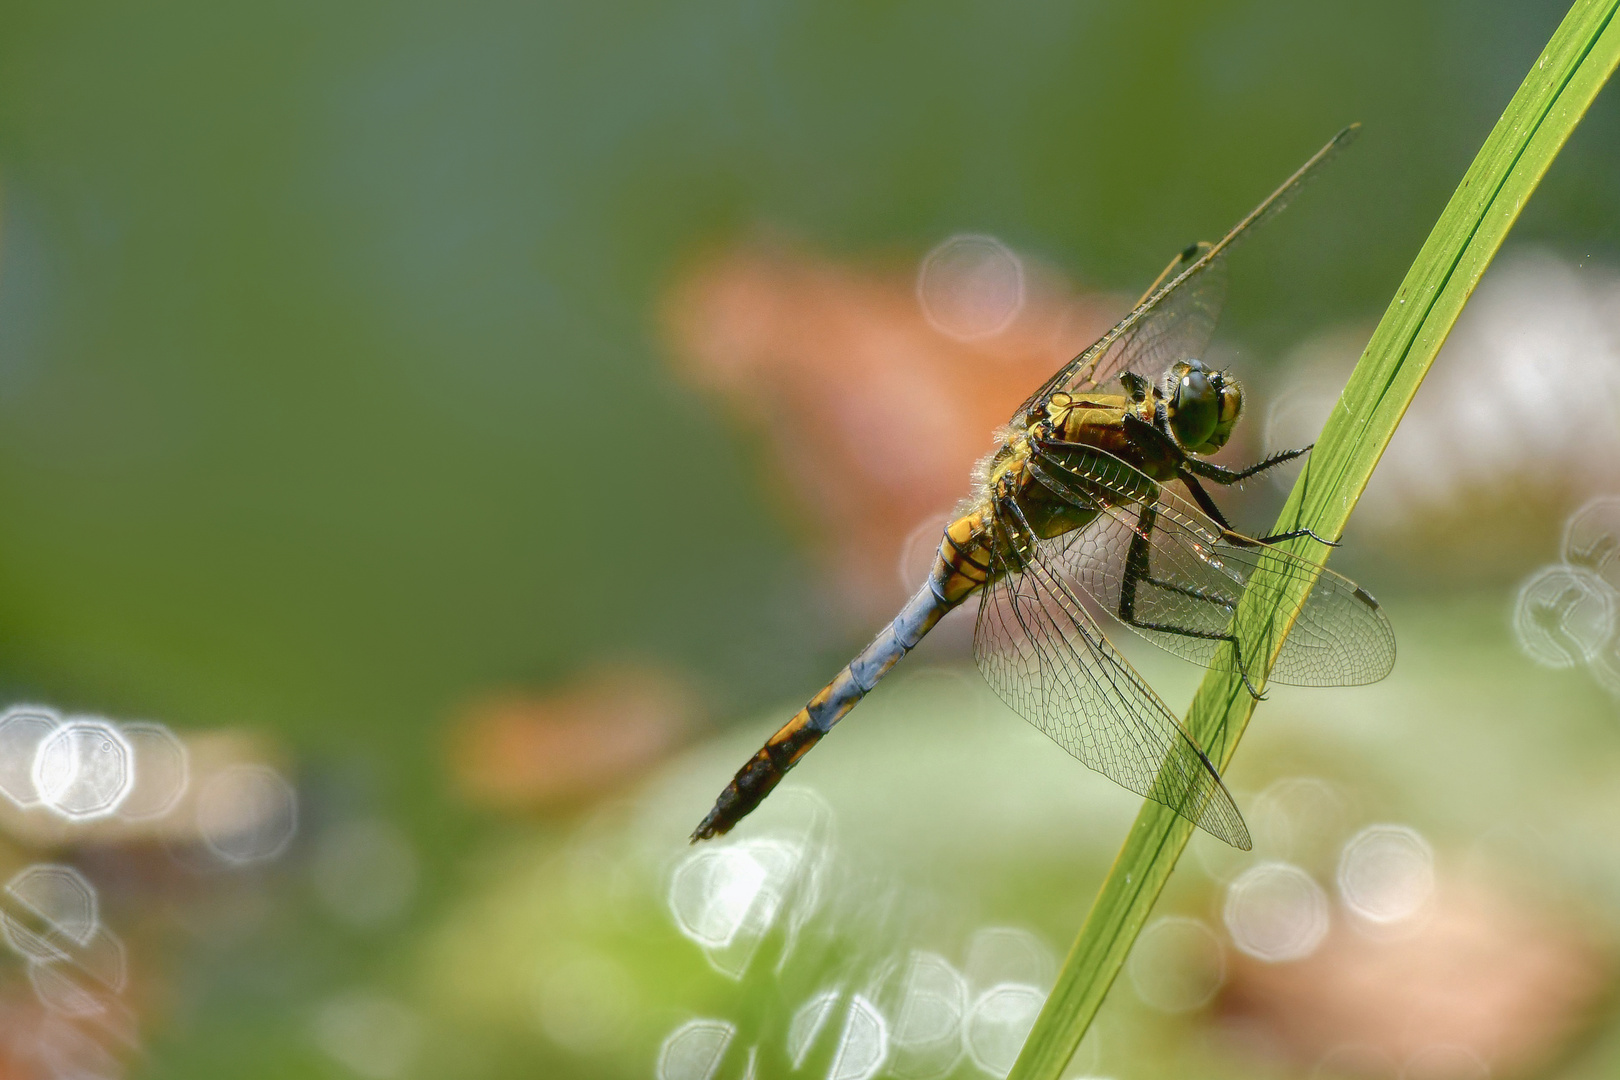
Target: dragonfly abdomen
(960,569)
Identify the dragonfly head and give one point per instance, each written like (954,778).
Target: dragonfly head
(1202,406)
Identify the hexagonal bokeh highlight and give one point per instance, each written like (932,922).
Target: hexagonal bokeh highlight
(46,910)
(246,814)
(162,772)
(22,729)
(84,983)
(84,769)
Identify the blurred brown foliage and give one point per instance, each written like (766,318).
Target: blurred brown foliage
(873,417)
(524,751)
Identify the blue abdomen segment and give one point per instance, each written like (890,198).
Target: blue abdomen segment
(783,750)
(861,674)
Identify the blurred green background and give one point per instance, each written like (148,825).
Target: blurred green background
(334,396)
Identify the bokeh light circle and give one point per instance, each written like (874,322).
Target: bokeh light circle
(85,982)
(971,286)
(1563,616)
(1605,665)
(372,1035)
(84,769)
(1177,964)
(162,772)
(998,1024)
(920,550)
(246,814)
(693,1050)
(50,909)
(712,892)
(806,1024)
(1592,539)
(1276,912)
(1297,817)
(1007,954)
(1294,418)
(927,1028)
(1386,873)
(863,1046)
(22,729)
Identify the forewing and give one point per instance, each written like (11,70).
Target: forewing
(1175,320)
(1185,581)
(1179,321)
(1046,658)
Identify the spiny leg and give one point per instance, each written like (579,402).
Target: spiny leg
(1138,571)
(1224,476)
(1229,534)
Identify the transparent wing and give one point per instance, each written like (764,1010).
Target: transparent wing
(1178,325)
(1161,566)
(1175,319)
(1045,657)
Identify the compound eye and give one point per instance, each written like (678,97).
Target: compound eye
(1228,409)
(1195,408)
(1231,403)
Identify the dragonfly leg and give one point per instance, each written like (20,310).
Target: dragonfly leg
(1221,475)
(1138,571)
(1294,534)
(1205,503)
(1136,387)
(1231,535)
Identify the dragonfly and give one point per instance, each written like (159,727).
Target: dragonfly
(1075,511)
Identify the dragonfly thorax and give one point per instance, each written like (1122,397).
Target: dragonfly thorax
(1202,406)
(1005,468)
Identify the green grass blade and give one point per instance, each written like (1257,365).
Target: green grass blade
(1551,101)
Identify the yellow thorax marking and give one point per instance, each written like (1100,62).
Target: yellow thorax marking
(1058,408)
